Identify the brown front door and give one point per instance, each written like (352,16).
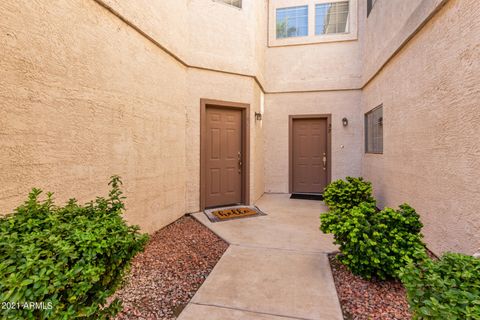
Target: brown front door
(309,155)
(223,157)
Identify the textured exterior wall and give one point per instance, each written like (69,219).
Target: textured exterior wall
(320,66)
(84,97)
(388,26)
(166,21)
(204,33)
(431,159)
(261,10)
(97,98)
(345,161)
(225,37)
(210,35)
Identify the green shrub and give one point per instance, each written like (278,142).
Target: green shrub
(376,243)
(445,289)
(343,195)
(69,258)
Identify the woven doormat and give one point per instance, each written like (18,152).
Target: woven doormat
(234,212)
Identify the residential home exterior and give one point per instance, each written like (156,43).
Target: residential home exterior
(200,103)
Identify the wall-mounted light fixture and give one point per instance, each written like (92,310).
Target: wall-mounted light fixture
(345,122)
(258,116)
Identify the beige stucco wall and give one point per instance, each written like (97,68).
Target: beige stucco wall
(204,33)
(97,97)
(82,98)
(346,141)
(388,26)
(430,92)
(223,37)
(166,21)
(85,96)
(319,66)
(210,36)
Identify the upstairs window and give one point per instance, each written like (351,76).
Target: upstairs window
(331,18)
(374,130)
(370,4)
(292,22)
(235,3)
(298,22)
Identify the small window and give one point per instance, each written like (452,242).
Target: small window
(331,18)
(235,3)
(370,4)
(292,22)
(374,130)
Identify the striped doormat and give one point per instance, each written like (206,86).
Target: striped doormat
(233,212)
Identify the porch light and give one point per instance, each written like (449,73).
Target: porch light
(258,116)
(345,122)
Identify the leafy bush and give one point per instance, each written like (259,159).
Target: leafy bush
(340,196)
(343,195)
(68,260)
(445,289)
(373,243)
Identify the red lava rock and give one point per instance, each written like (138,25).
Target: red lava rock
(369,300)
(167,274)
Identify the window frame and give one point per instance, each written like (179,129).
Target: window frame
(230,4)
(347,26)
(366,129)
(370,5)
(292,7)
(311,38)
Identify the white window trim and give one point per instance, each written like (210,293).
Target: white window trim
(308,18)
(311,38)
(229,5)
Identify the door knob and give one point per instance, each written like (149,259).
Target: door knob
(324,161)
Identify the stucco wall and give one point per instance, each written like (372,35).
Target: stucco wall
(84,97)
(388,26)
(320,66)
(166,21)
(204,33)
(430,92)
(225,37)
(345,161)
(97,97)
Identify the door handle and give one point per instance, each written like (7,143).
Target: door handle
(324,161)
(239,162)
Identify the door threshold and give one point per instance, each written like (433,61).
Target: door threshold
(307,196)
(309,193)
(225,205)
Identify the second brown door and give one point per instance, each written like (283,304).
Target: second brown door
(223,143)
(309,155)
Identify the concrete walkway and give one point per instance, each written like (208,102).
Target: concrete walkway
(275,268)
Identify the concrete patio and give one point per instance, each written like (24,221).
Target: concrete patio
(275,268)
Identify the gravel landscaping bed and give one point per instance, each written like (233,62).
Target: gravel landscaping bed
(361,299)
(165,277)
